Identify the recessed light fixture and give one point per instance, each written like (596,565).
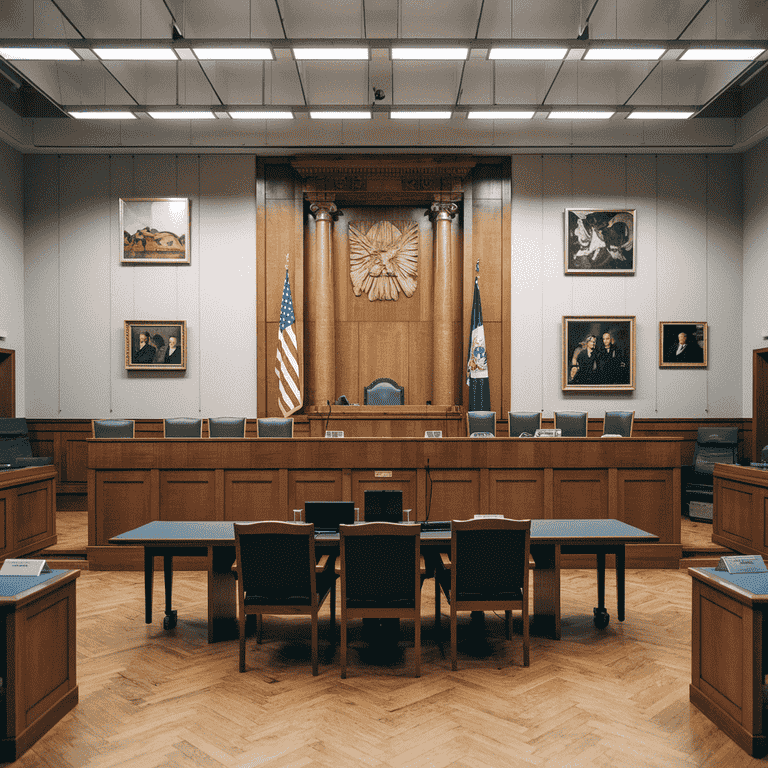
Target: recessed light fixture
(499,115)
(103,115)
(182,115)
(530,54)
(340,115)
(435,54)
(414,115)
(625,54)
(261,115)
(637,115)
(233,54)
(136,54)
(39,54)
(337,54)
(580,115)
(721,54)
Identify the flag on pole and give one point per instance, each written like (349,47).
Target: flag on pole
(287,366)
(477,362)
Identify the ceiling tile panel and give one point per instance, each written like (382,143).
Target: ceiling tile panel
(230,18)
(449,18)
(237,82)
(524,82)
(44,74)
(545,19)
(124,19)
(342,82)
(319,18)
(282,82)
(645,20)
(381,18)
(597,82)
(425,82)
(497,19)
(742,19)
(477,85)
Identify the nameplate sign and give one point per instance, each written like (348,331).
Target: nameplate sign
(742,564)
(24,568)
(433,433)
(332,433)
(489,517)
(548,433)
(382,473)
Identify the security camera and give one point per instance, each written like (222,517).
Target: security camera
(378,94)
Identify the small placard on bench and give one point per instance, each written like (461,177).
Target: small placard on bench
(24,568)
(332,433)
(742,564)
(433,433)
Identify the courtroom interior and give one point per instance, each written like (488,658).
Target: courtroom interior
(383,382)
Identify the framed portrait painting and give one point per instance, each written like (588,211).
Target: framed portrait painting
(599,241)
(682,345)
(155,230)
(156,345)
(598,353)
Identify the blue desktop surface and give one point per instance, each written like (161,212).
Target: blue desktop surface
(756,583)
(11,586)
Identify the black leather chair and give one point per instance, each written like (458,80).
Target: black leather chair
(572,423)
(384,392)
(274,427)
(182,427)
(481,423)
(618,423)
(523,421)
(15,449)
(122,428)
(225,426)
(714,445)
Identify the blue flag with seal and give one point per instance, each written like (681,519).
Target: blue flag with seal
(477,360)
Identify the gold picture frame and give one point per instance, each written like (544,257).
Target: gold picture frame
(148,345)
(155,230)
(682,344)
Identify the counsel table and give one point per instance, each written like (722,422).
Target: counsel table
(549,540)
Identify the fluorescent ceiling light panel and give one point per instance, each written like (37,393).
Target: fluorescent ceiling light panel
(261,115)
(580,115)
(136,54)
(721,54)
(182,115)
(405,115)
(659,115)
(435,54)
(624,54)
(499,115)
(340,115)
(528,54)
(103,115)
(39,54)
(233,54)
(337,54)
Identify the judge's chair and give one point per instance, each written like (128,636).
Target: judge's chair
(714,445)
(481,423)
(487,570)
(15,449)
(277,574)
(121,428)
(274,427)
(571,423)
(618,423)
(182,427)
(225,426)
(524,421)
(384,392)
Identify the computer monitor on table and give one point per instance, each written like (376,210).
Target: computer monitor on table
(328,515)
(383,506)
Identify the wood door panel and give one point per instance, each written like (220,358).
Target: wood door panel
(384,353)
(75,464)
(517,494)
(4,520)
(33,505)
(581,493)
(310,485)
(124,501)
(486,244)
(645,499)
(455,494)
(187,495)
(735,505)
(253,495)
(418,388)
(401,480)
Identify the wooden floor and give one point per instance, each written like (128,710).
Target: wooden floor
(613,698)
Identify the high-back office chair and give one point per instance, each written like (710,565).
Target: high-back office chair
(277,574)
(572,423)
(523,421)
(274,427)
(113,428)
(182,427)
(225,426)
(15,448)
(495,581)
(384,392)
(381,573)
(481,423)
(618,423)
(714,445)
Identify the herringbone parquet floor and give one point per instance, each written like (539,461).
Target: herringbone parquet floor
(614,698)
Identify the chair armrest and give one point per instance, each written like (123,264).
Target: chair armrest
(234,570)
(445,560)
(322,564)
(337,568)
(422,565)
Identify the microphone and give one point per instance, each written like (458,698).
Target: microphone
(328,403)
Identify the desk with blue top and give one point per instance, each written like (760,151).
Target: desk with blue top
(549,540)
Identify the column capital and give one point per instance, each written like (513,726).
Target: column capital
(324,210)
(443,211)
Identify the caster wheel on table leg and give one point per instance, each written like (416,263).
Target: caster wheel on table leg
(169,622)
(601,618)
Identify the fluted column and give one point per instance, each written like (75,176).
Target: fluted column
(322,306)
(443,366)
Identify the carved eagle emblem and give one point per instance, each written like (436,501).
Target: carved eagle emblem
(384,260)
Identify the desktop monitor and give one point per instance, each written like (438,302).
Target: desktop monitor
(383,506)
(328,515)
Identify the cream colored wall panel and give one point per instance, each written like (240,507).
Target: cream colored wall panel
(156,133)
(302,131)
(229,133)
(60,132)
(455,132)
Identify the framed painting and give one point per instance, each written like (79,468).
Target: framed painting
(682,345)
(156,345)
(599,242)
(598,353)
(155,230)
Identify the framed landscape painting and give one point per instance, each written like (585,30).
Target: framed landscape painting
(598,353)
(599,241)
(155,230)
(156,345)
(682,345)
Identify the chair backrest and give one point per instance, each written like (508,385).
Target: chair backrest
(113,427)
(489,558)
(385,506)
(226,426)
(524,421)
(715,445)
(276,561)
(14,440)
(481,421)
(182,427)
(274,427)
(618,423)
(384,392)
(380,564)
(572,423)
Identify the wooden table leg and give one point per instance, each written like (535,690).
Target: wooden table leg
(222,594)
(546,590)
(149,572)
(620,584)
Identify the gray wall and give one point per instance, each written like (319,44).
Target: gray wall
(689,267)
(12,262)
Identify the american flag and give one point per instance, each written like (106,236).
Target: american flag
(287,366)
